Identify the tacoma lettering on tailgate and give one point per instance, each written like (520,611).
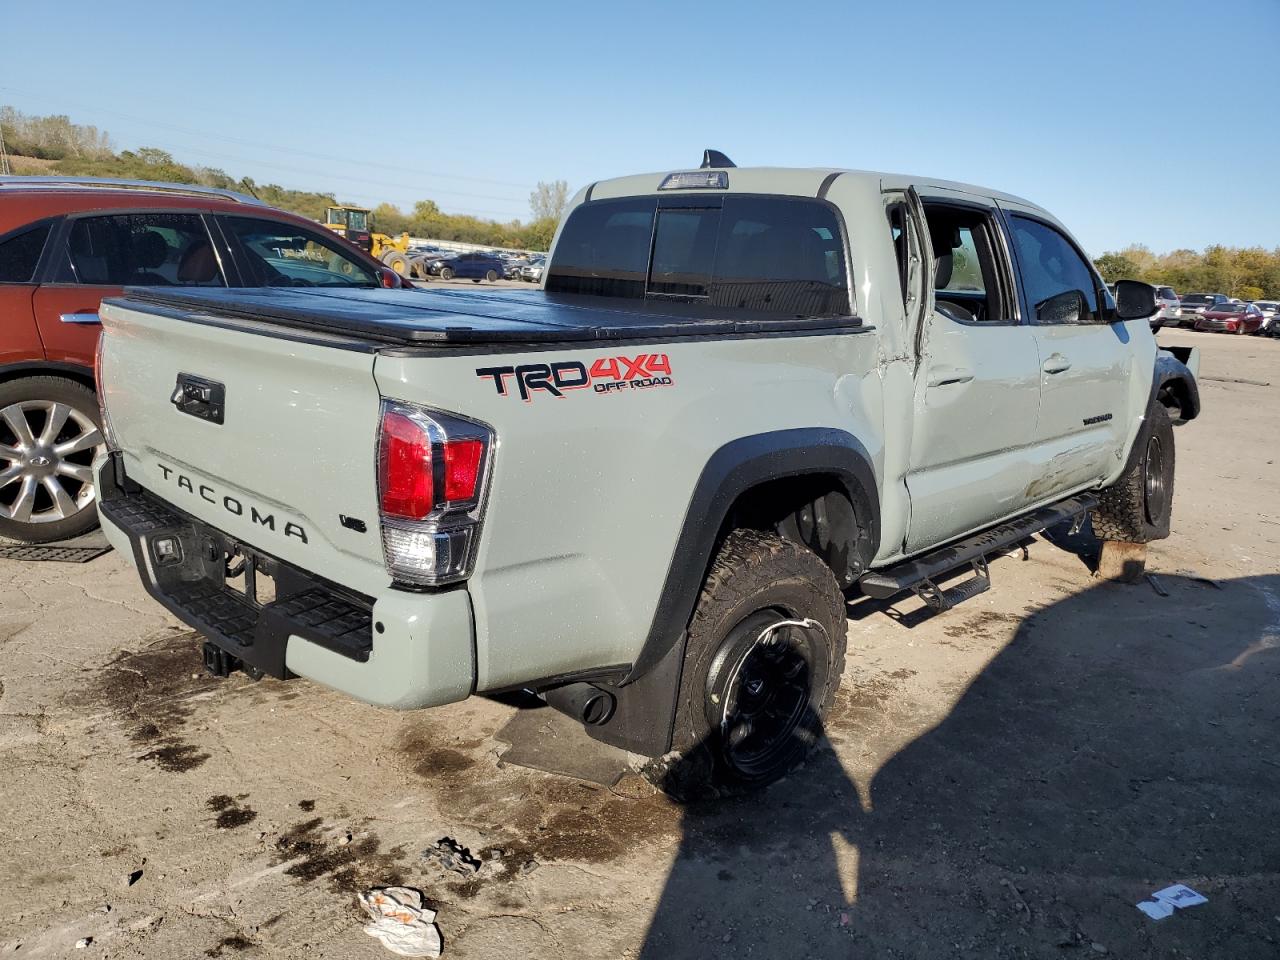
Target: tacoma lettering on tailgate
(230,504)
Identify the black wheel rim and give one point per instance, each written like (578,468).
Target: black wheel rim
(1155,488)
(759,690)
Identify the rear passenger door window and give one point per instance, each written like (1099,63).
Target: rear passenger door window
(970,277)
(140,249)
(1051,266)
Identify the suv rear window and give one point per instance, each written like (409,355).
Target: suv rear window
(140,249)
(19,254)
(1166,293)
(748,254)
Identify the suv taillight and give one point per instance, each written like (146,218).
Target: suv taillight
(432,468)
(108,434)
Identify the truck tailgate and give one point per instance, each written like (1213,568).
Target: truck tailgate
(289,469)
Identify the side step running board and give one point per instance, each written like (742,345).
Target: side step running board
(919,574)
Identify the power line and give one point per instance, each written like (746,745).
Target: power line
(268,146)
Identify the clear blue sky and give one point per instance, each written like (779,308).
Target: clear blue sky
(1124,117)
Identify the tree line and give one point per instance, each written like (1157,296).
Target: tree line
(1250,273)
(79,150)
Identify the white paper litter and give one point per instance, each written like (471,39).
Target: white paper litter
(401,922)
(1164,902)
(1180,895)
(1156,909)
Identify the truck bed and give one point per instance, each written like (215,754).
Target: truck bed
(429,317)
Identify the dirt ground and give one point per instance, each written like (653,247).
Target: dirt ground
(1005,780)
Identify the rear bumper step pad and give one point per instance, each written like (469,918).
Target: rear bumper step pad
(195,589)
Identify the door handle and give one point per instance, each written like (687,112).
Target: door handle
(949,376)
(1056,364)
(87,316)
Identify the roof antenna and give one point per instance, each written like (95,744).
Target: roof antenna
(714,158)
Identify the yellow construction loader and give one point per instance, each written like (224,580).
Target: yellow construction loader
(355,224)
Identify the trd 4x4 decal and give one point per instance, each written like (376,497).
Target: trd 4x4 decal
(605,375)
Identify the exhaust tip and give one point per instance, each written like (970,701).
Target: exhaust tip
(585,702)
(598,709)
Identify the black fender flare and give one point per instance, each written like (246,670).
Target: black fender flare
(1169,370)
(35,368)
(731,471)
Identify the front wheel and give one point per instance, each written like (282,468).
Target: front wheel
(49,435)
(764,656)
(491,276)
(446,273)
(1139,506)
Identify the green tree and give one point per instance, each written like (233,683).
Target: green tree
(1117,266)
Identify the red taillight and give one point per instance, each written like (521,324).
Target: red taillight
(462,469)
(404,468)
(431,477)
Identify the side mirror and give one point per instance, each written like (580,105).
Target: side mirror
(1062,308)
(1135,300)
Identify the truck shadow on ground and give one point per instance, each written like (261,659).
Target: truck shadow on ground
(1119,743)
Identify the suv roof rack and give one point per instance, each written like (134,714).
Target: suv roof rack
(121,184)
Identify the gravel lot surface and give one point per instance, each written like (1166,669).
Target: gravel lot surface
(1004,780)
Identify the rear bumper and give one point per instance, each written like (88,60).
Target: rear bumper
(398,649)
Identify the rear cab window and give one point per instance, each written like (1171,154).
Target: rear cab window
(740,254)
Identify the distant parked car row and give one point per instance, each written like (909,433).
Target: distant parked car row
(1214,312)
(475,265)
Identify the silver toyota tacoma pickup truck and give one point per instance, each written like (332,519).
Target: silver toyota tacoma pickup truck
(646,490)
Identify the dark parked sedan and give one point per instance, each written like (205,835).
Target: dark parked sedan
(472,266)
(1231,318)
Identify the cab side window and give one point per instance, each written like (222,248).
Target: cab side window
(1051,268)
(969,281)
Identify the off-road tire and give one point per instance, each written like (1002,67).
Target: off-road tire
(1131,510)
(397,262)
(762,576)
(55,390)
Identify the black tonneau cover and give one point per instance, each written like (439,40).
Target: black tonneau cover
(442,317)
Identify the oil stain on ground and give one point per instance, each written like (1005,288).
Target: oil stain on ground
(533,818)
(230,812)
(314,853)
(148,690)
(235,942)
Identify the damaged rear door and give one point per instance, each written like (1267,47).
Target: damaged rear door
(977,388)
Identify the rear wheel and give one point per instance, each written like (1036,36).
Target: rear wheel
(491,276)
(398,262)
(1139,506)
(764,657)
(49,435)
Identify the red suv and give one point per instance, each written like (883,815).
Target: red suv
(65,244)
